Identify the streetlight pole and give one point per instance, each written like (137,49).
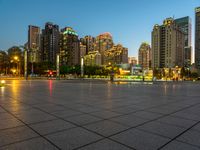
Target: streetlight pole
(58,66)
(25,64)
(82,67)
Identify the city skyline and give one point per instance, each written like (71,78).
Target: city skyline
(122,25)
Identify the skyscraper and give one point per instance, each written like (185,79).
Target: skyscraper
(144,56)
(103,42)
(50,43)
(89,42)
(185,25)
(167,45)
(33,43)
(197,37)
(116,55)
(82,49)
(69,47)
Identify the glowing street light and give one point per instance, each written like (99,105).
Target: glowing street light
(16,58)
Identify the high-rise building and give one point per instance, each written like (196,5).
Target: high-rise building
(103,42)
(3,62)
(93,58)
(50,43)
(89,42)
(82,49)
(197,38)
(69,47)
(167,45)
(132,60)
(33,43)
(144,56)
(185,25)
(116,55)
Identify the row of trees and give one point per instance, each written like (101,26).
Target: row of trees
(183,73)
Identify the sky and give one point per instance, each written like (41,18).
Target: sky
(129,21)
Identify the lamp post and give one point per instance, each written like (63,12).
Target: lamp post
(82,67)
(16,59)
(58,66)
(111,72)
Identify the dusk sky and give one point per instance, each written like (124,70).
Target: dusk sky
(129,21)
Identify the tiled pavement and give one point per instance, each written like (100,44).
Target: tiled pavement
(39,115)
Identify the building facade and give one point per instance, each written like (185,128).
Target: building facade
(50,43)
(144,55)
(197,38)
(132,60)
(167,45)
(33,44)
(83,50)
(93,58)
(69,47)
(116,55)
(103,42)
(89,42)
(185,25)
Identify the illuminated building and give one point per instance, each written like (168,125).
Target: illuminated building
(93,58)
(197,37)
(69,47)
(103,42)
(116,55)
(3,61)
(167,45)
(82,50)
(144,55)
(132,60)
(50,43)
(33,43)
(185,25)
(89,42)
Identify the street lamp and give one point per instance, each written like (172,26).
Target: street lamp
(111,72)
(16,59)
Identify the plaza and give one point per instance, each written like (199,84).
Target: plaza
(99,115)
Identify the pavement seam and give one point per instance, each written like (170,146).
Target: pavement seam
(178,135)
(32,129)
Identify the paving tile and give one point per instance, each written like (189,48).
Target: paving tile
(16,107)
(147,115)
(66,113)
(5,115)
(129,120)
(197,127)
(180,122)
(35,117)
(162,129)
(82,119)
(175,145)
(15,135)
(186,115)
(106,128)
(51,107)
(105,145)
(126,110)
(10,123)
(140,140)
(2,110)
(191,137)
(32,144)
(73,138)
(51,126)
(105,114)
